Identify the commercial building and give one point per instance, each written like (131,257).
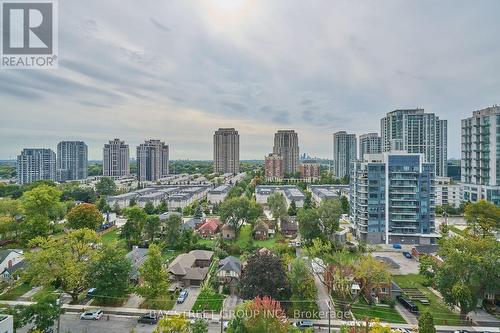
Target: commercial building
(344,153)
(152,160)
(116,159)
(310,171)
(35,164)
(273,167)
(370,143)
(480,160)
(290,192)
(417,132)
(448,192)
(286,145)
(226,151)
(392,199)
(72,160)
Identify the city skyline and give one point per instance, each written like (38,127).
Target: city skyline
(255,66)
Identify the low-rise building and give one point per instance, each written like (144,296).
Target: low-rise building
(290,192)
(6,323)
(10,258)
(448,192)
(229,271)
(137,257)
(228,232)
(209,228)
(218,194)
(191,269)
(326,192)
(289,227)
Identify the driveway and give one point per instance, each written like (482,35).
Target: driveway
(398,263)
(323,297)
(193,293)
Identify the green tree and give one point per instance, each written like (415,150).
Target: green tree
(173,324)
(152,226)
(149,208)
(308,204)
(304,292)
(277,205)
(155,280)
(40,206)
(172,230)
(162,207)
(264,275)
(292,210)
(64,261)
(84,216)
(106,186)
(483,217)
(109,274)
(133,228)
(43,313)
(345,204)
(199,326)
(329,213)
(308,220)
(426,323)
(239,210)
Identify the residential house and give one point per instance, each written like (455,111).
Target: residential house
(289,227)
(190,269)
(228,232)
(229,272)
(209,228)
(137,257)
(261,230)
(13,273)
(192,224)
(9,258)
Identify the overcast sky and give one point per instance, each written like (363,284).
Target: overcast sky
(178,70)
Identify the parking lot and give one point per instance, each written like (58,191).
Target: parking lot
(397,263)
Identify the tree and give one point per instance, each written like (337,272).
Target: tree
(308,204)
(198,212)
(162,207)
(483,217)
(172,230)
(155,280)
(149,208)
(304,292)
(239,210)
(132,230)
(43,313)
(64,261)
(426,323)
(109,274)
(106,186)
(74,192)
(277,205)
(173,324)
(199,326)
(261,315)
(345,204)
(84,216)
(469,269)
(308,220)
(40,206)
(329,213)
(292,210)
(372,273)
(264,275)
(152,226)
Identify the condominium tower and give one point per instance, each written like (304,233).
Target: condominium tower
(116,159)
(369,144)
(36,164)
(72,160)
(152,160)
(480,164)
(286,144)
(226,151)
(392,199)
(344,153)
(416,131)
(273,167)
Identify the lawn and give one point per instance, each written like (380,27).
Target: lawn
(361,310)
(44,293)
(208,300)
(111,237)
(15,292)
(245,237)
(441,312)
(166,302)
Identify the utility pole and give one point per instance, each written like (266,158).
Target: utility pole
(329,315)
(222,318)
(59,305)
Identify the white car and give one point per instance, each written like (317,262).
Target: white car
(92,315)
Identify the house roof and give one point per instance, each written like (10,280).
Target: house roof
(289,225)
(5,253)
(181,264)
(192,224)
(11,270)
(137,257)
(196,273)
(230,264)
(227,227)
(261,225)
(210,224)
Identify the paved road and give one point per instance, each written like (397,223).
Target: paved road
(323,296)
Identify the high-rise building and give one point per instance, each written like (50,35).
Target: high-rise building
(116,159)
(310,171)
(454,169)
(273,167)
(226,151)
(415,131)
(369,144)
(286,144)
(344,153)
(392,199)
(72,160)
(152,160)
(448,192)
(36,164)
(480,164)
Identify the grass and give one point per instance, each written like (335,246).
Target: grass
(457,231)
(15,292)
(165,302)
(245,237)
(112,237)
(208,300)
(44,293)
(361,310)
(441,312)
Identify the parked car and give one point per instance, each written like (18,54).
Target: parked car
(148,319)
(92,315)
(91,292)
(304,324)
(396,246)
(407,255)
(409,305)
(182,296)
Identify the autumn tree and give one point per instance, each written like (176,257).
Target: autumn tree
(63,261)
(84,215)
(261,315)
(154,277)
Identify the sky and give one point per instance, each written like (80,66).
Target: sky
(177,70)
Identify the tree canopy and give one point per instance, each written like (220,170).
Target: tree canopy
(84,215)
